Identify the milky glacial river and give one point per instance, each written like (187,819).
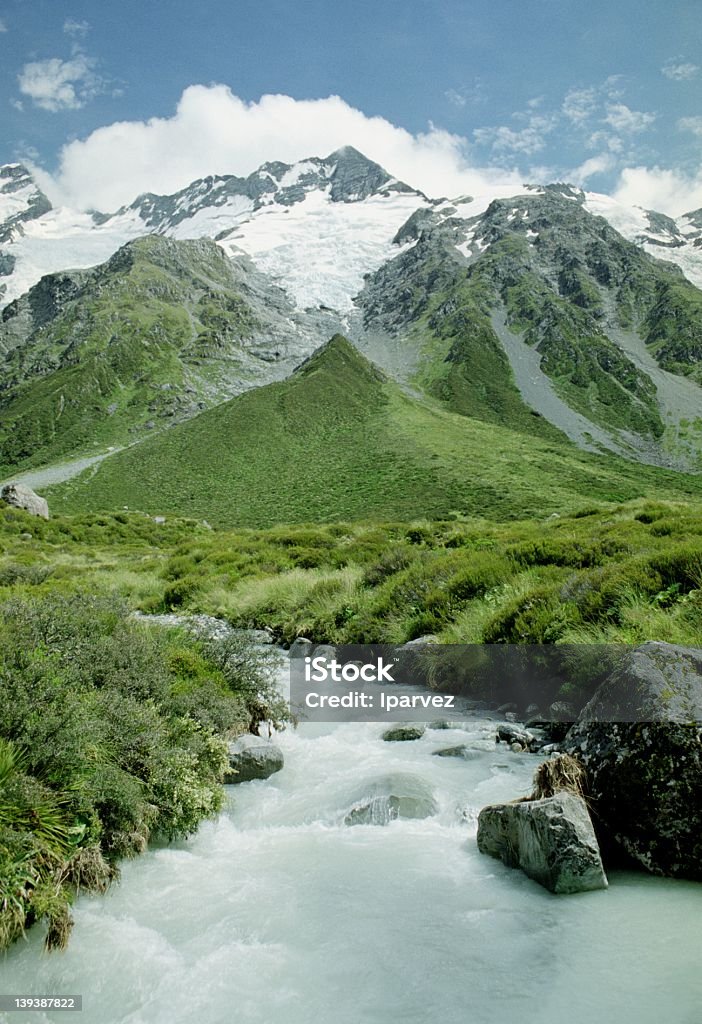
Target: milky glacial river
(279,913)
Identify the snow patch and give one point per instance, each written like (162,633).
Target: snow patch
(319,250)
(294,173)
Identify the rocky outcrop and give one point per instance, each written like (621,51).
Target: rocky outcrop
(252,757)
(640,739)
(29,202)
(551,840)
(20,496)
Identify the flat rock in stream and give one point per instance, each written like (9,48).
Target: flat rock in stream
(551,840)
(461,750)
(252,757)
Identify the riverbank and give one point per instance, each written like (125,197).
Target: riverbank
(279,913)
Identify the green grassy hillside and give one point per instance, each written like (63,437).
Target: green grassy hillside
(337,440)
(102,356)
(563,281)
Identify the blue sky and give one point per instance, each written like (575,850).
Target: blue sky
(605,93)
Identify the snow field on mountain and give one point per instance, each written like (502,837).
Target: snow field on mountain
(65,239)
(319,250)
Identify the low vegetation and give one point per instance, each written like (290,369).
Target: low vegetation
(111,732)
(343,442)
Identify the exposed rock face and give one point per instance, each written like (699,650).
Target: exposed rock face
(27,200)
(402,731)
(394,796)
(551,840)
(20,496)
(252,757)
(640,739)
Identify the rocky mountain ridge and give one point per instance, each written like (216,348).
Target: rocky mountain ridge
(526,308)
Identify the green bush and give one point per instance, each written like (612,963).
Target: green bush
(111,731)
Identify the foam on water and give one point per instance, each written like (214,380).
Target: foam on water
(278,913)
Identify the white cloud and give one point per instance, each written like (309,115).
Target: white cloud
(57,84)
(659,188)
(215,132)
(579,105)
(679,70)
(455,98)
(528,140)
(3,26)
(594,165)
(691,124)
(623,119)
(613,142)
(71,27)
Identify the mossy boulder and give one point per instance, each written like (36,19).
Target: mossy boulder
(640,740)
(403,732)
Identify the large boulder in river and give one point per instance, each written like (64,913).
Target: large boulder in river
(20,496)
(640,739)
(398,795)
(551,840)
(252,757)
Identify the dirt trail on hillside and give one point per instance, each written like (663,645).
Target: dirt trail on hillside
(47,476)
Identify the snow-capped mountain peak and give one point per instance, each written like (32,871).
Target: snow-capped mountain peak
(316,226)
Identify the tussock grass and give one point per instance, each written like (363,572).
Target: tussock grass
(559,774)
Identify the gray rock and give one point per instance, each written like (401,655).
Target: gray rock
(461,750)
(532,711)
(398,795)
(403,731)
(20,496)
(562,711)
(640,739)
(509,733)
(551,840)
(517,748)
(419,642)
(301,647)
(324,651)
(504,708)
(252,757)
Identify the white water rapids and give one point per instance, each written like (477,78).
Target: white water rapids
(279,913)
